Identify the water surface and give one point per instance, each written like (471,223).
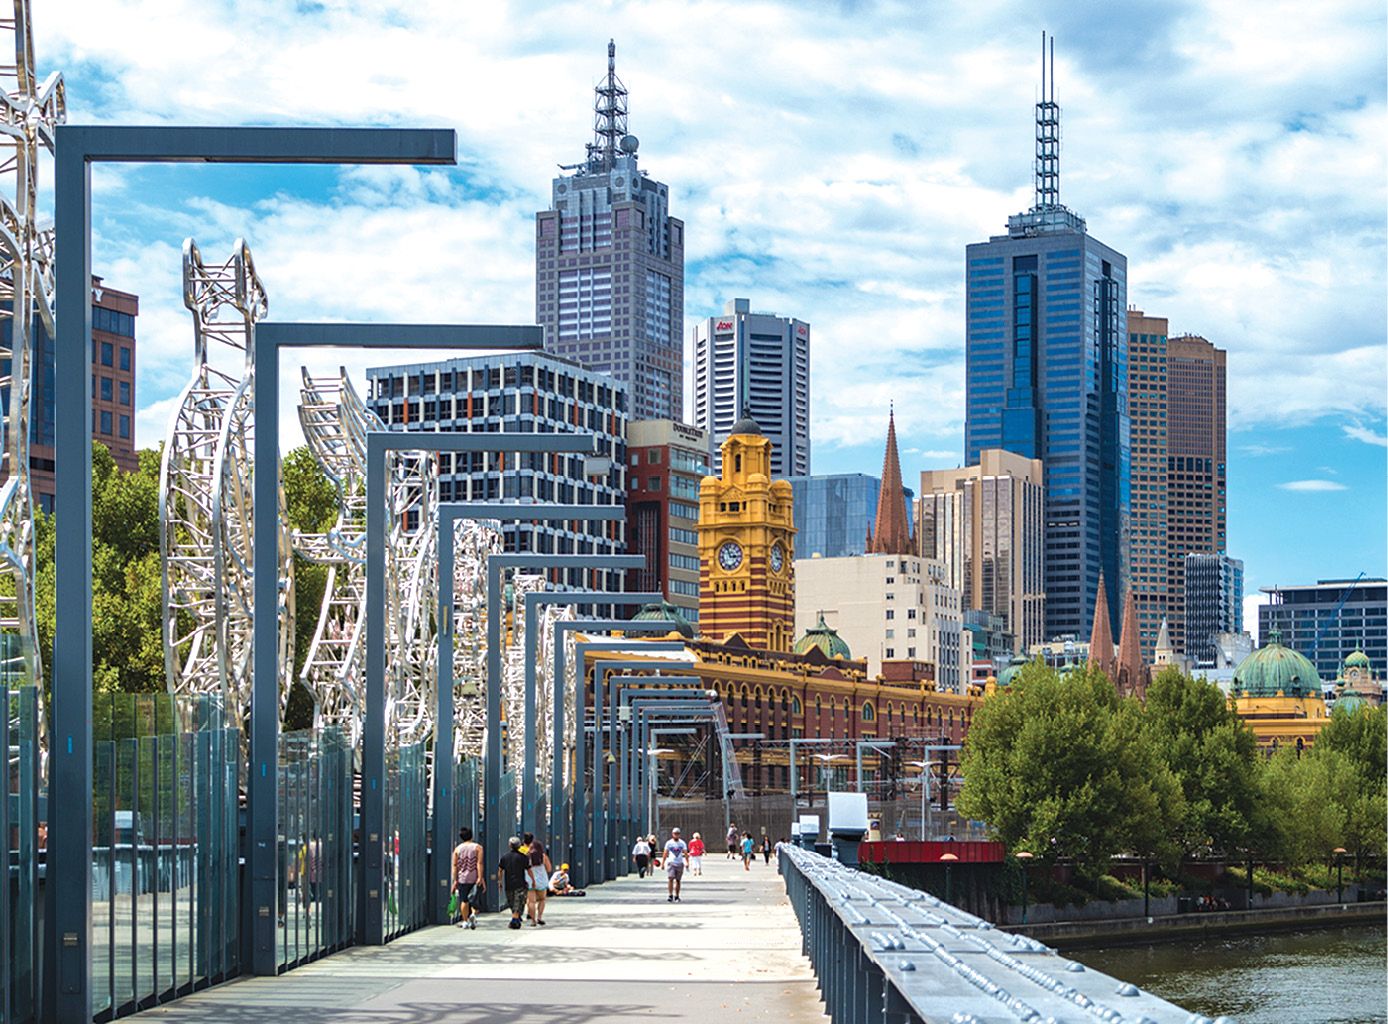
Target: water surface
(1319,976)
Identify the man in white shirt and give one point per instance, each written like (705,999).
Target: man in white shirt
(675,851)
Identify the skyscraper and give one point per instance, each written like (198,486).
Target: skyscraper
(1176,393)
(609,265)
(1046,350)
(984,522)
(1213,602)
(755,364)
(667,461)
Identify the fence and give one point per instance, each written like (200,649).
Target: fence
(886,953)
(19,818)
(165,881)
(406,874)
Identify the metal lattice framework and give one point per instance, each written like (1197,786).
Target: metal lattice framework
(206,496)
(474,542)
(28,114)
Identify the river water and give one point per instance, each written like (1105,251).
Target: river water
(1323,976)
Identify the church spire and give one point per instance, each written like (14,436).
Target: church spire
(892,533)
(1132,670)
(1101,636)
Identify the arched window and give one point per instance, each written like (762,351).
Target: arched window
(916,716)
(869,713)
(818,709)
(744,696)
(756,697)
(795,707)
(889,714)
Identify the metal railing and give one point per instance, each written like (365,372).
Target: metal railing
(19,817)
(885,953)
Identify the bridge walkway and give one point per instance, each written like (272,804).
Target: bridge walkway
(729,950)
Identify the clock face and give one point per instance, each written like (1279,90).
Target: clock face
(778,558)
(729,555)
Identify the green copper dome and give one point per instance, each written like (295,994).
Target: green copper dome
(825,639)
(1009,673)
(665,610)
(1357,660)
(1273,669)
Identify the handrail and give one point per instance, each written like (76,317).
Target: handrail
(887,953)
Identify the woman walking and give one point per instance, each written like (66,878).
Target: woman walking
(641,853)
(537,881)
(696,855)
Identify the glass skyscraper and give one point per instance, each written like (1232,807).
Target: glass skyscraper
(1046,351)
(609,266)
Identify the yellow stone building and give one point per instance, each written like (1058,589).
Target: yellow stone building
(1277,693)
(747,547)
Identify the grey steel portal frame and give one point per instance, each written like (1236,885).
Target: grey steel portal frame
(491,818)
(68,979)
(585,848)
(263,792)
(688,710)
(447,515)
(630,699)
(371,919)
(607,772)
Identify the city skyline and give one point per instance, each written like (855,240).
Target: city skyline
(1237,162)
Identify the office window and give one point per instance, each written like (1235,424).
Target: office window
(105,421)
(124,358)
(106,389)
(125,392)
(125,426)
(107,353)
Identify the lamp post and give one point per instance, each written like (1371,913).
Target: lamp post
(1340,852)
(825,759)
(925,766)
(794,775)
(873,744)
(1025,858)
(949,860)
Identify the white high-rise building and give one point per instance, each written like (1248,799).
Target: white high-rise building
(755,364)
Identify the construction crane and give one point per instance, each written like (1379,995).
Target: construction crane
(1316,645)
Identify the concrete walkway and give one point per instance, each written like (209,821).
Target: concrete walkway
(728,951)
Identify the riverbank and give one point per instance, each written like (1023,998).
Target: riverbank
(1196,926)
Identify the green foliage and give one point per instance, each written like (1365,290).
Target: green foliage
(1065,769)
(1107,887)
(1213,755)
(310,498)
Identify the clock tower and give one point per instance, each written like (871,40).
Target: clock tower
(747,546)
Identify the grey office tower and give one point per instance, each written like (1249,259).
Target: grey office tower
(609,265)
(1046,371)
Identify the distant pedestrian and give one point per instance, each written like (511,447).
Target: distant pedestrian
(732,841)
(510,875)
(747,848)
(537,882)
(641,853)
(469,876)
(765,850)
(675,851)
(696,855)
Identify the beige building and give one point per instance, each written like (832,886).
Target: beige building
(886,608)
(985,524)
(1176,403)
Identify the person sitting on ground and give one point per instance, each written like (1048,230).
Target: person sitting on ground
(559,884)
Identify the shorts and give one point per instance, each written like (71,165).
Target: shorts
(515,899)
(697,863)
(467,893)
(674,870)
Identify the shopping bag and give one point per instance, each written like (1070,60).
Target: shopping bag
(453,903)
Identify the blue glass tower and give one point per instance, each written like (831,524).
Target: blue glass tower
(1046,353)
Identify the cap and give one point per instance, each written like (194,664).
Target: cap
(563,867)
(674,831)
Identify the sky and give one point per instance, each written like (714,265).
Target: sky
(830,161)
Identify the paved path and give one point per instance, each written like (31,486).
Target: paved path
(728,951)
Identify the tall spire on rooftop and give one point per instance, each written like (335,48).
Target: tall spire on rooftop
(1101,636)
(892,534)
(1132,670)
(609,115)
(1047,137)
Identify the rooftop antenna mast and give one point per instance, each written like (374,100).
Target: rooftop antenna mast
(609,114)
(1047,137)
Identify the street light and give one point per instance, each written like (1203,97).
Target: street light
(1340,852)
(1025,858)
(826,758)
(925,766)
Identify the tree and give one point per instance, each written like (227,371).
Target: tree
(1212,754)
(1063,768)
(1352,747)
(312,506)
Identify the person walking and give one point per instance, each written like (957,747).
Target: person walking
(732,841)
(537,883)
(747,847)
(675,851)
(696,855)
(641,853)
(469,876)
(766,849)
(510,875)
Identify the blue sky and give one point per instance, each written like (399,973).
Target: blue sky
(830,161)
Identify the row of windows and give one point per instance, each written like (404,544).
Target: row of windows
(106,351)
(111,322)
(104,419)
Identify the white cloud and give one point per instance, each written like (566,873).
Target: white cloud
(1361,433)
(1251,603)
(1312,485)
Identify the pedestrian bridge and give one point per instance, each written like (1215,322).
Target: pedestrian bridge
(731,949)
